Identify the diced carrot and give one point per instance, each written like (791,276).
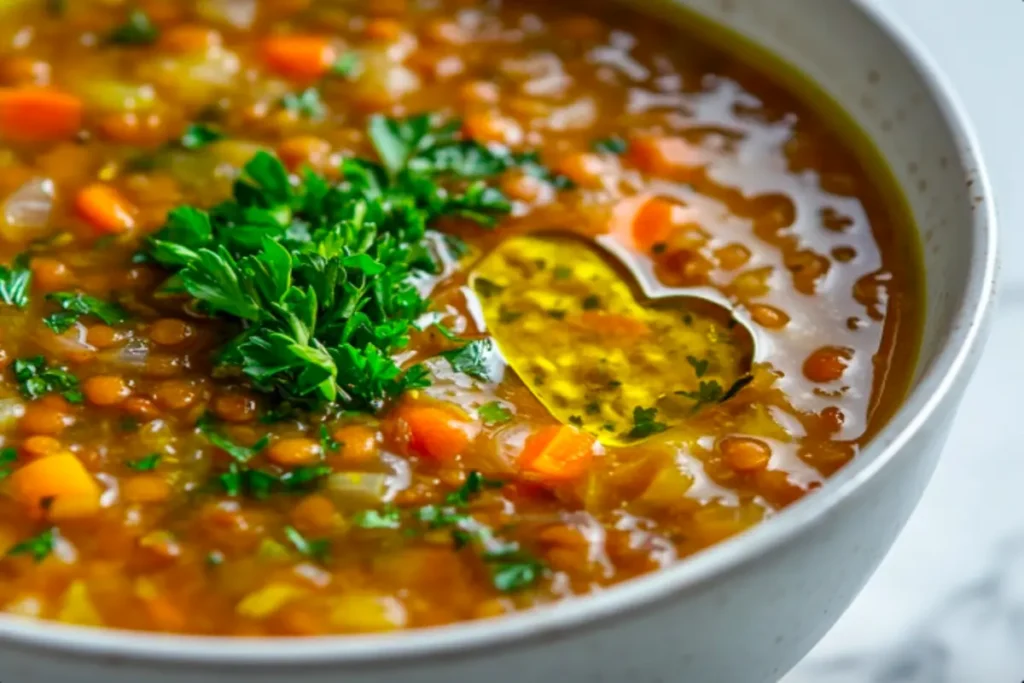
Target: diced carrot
(57,486)
(104,208)
(301,57)
(38,114)
(612,324)
(643,221)
(664,155)
(439,432)
(190,38)
(557,453)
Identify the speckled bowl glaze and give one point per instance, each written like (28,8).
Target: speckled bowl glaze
(749,608)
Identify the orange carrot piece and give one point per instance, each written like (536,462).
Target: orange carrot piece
(439,432)
(643,221)
(58,486)
(38,114)
(190,38)
(557,453)
(299,56)
(104,208)
(612,324)
(664,155)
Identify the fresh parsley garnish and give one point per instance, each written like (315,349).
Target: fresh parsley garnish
(238,453)
(316,549)
(712,392)
(479,359)
(486,288)
(38,547)
(75,304)
(474,485)
(591,302)
(36,379)
(610,145)
(328,444)
(146,463)
(199,135)
(562,272)
(139,29)
(700,366)
(306,104)
(494,413)
(345,65)
(512,569)
(645,423)
(14,285)
(319,276)
(8,456)
(388,518)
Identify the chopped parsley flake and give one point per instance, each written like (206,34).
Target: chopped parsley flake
(611,145)
(73,305)
(145,463)
(645,424)
(8,456)
(700,366)
(494,413)
(479,359)
(199,135)
(36,379)
(139,29)
(14,285)
(316,549)
(38,547)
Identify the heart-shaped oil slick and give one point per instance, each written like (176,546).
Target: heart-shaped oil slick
(568,320)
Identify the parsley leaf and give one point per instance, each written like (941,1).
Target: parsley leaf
(139,29)
(512,569)
(241,454)
(36,379)
(610,145)
(38,547)
(14,285)
(479,358)
(388,518)
(645,424)
(345,65)
(707,393)
(8,456)
(474,485)
(318,276)
(146,463)
(199,135)
(306,104)
(328,444)
(700,367)
(494,413)
(316,549)
(75,304)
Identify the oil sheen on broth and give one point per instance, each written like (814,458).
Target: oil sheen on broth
(201,436)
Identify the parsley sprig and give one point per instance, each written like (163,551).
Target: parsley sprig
(319,277)
(36,379)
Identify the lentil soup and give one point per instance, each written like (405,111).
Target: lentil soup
(304,329)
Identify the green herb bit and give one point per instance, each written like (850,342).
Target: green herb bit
(328,444)
(8,456)
(36,379)
(306,104)
(479,359)
(591,303)
(38,547)
(562,272)
(316,549)
(146,463)
(474,485)
(700,366)
(448,334)
(345,65)
(139,29)
(494,413)
(199,135)
(645,423)
(241,454)
(487,288)
(388,518)
(707,393)
(557,314)
(576,420)
(610,145)
(214,558)
(14,285)
(56,8)
(75,304)
(513,569)
(736,387)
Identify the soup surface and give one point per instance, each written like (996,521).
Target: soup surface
(305,329)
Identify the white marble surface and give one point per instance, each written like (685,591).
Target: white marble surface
(947,605)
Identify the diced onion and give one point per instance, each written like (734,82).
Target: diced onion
(240,14)
(27,211)
(368,487)
(11,410)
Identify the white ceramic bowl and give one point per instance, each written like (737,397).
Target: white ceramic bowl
(748,609)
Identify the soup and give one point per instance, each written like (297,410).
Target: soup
(307,327)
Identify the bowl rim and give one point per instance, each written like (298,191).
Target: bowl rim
(646,592)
